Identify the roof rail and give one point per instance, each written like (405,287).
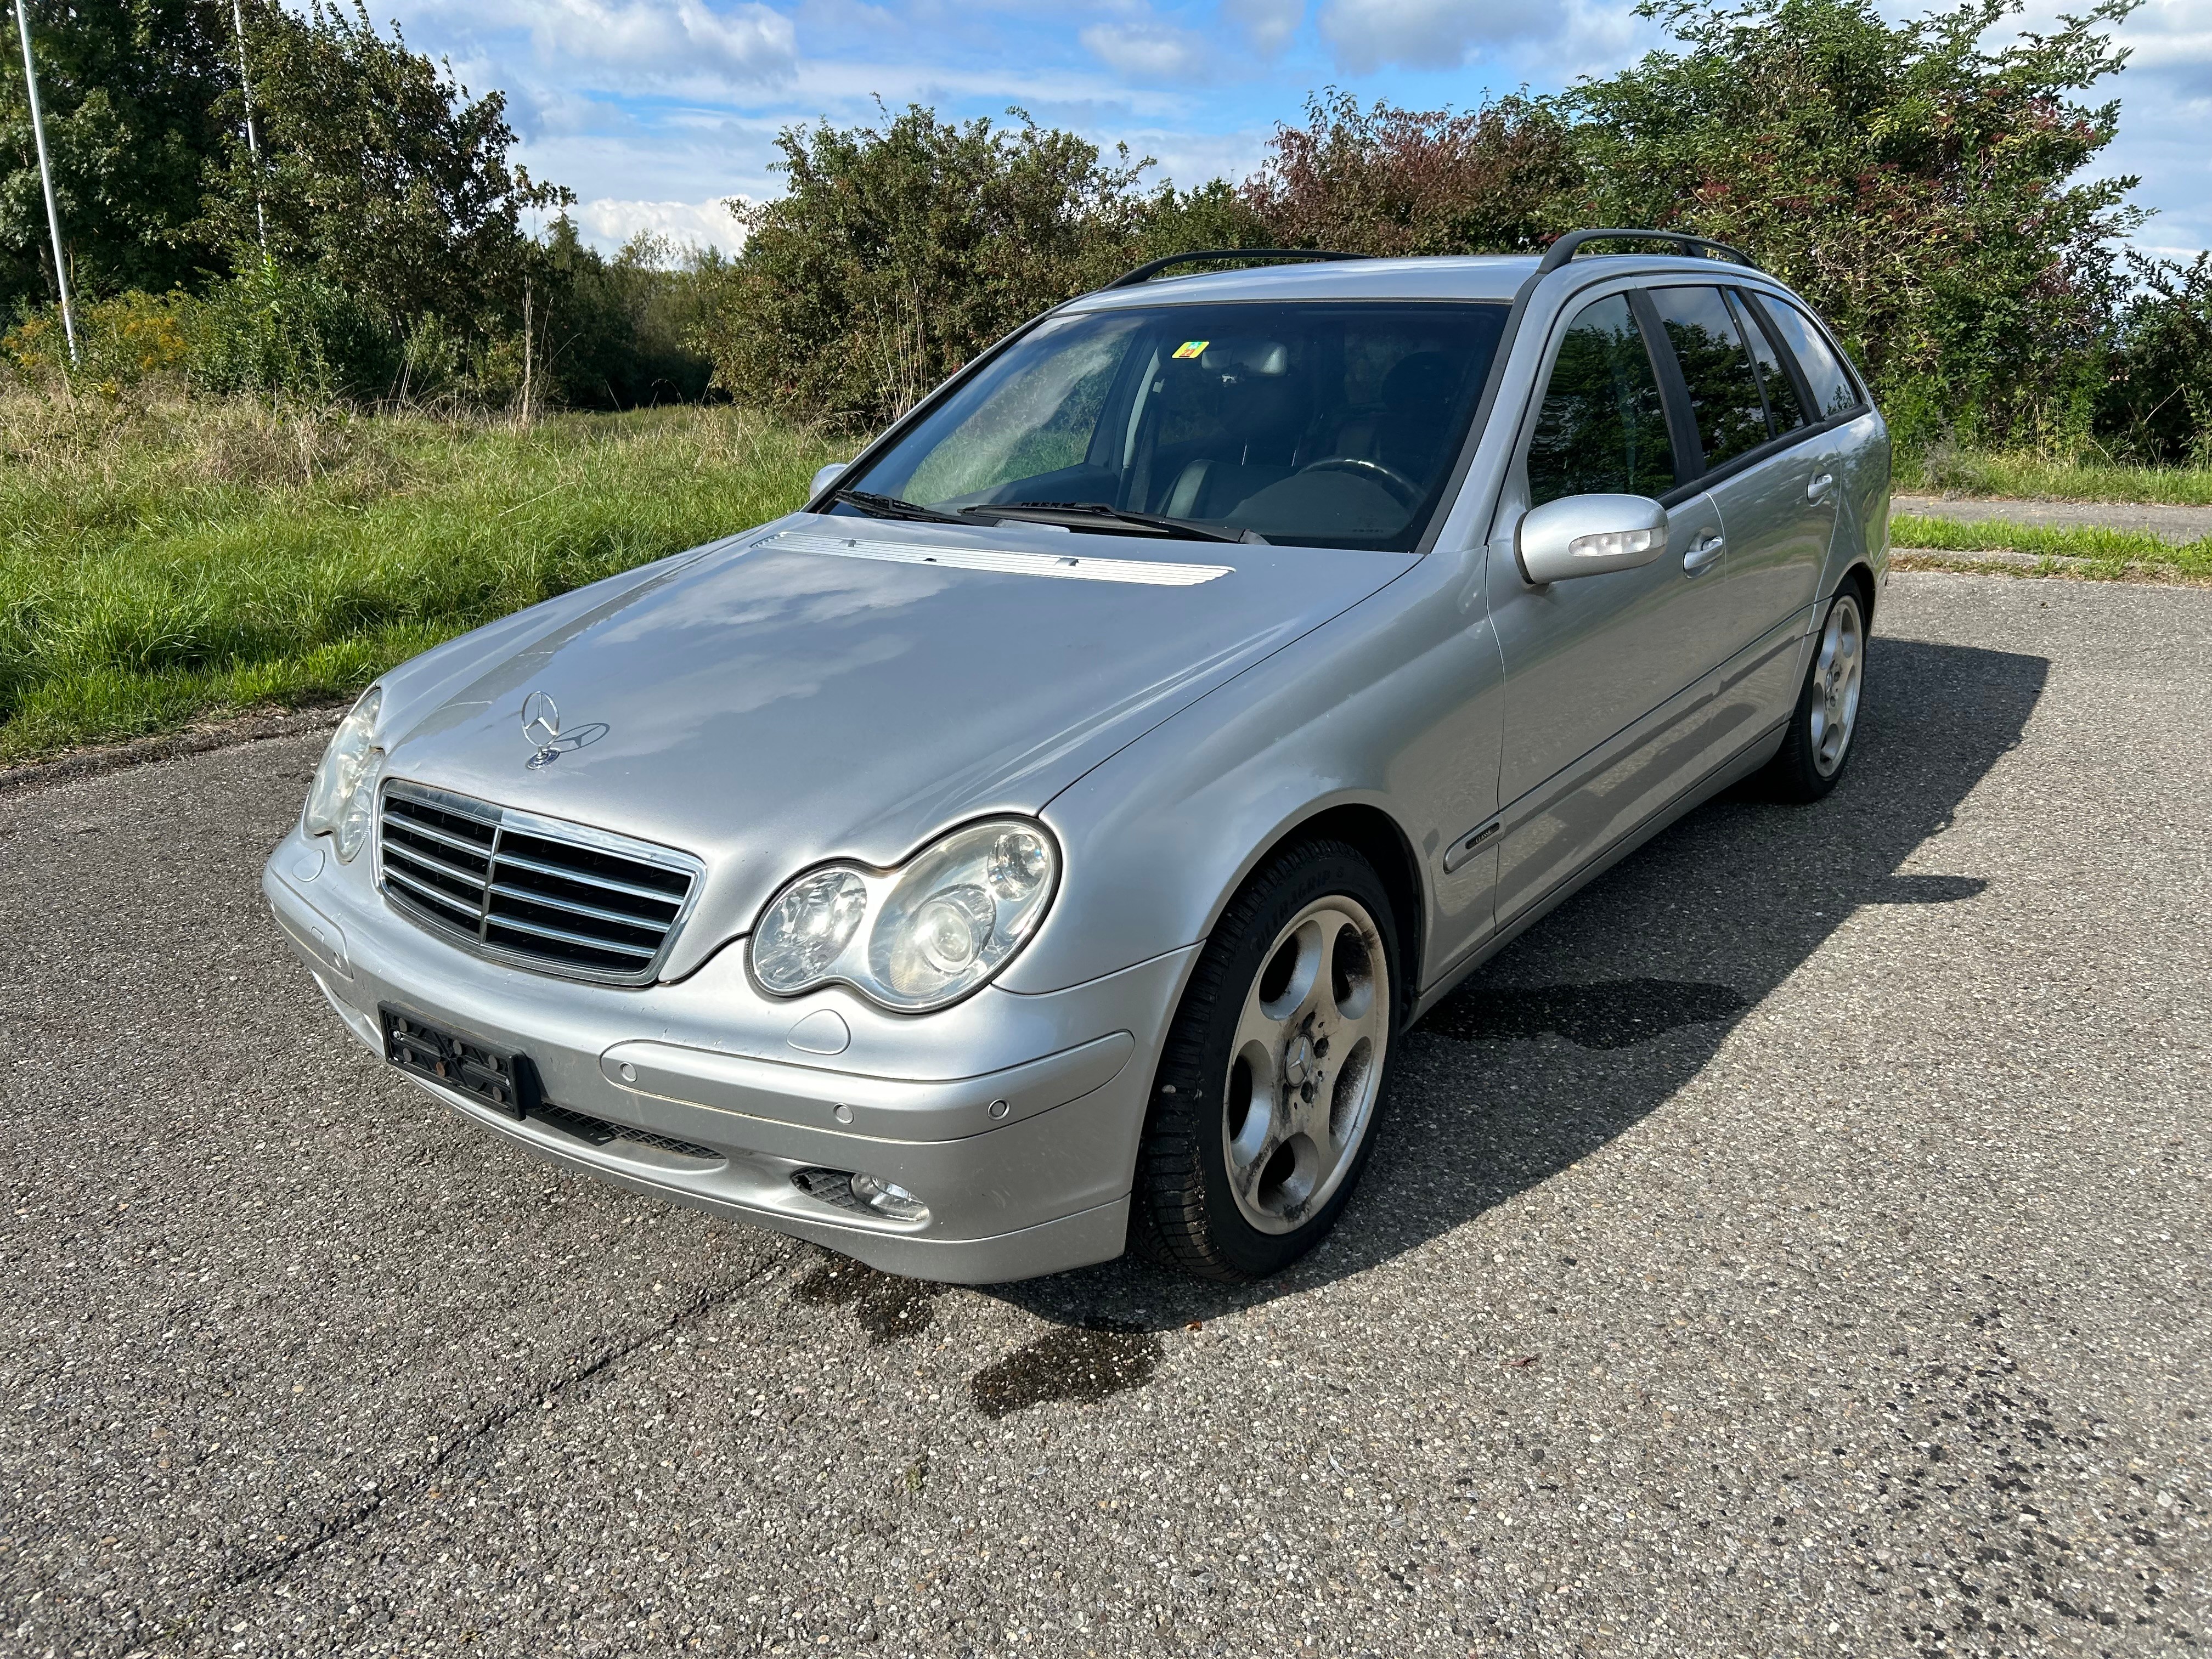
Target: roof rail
(1575,240)
(1145,273)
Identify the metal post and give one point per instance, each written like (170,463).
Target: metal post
(253,143)
(47,175)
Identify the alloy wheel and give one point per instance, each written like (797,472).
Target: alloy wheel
(1837,673)
(1306,1064)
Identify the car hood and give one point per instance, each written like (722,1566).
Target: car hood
(836,688)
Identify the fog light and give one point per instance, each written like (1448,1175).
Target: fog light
(885,1198)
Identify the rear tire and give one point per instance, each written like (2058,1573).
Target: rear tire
(1826,720)
(1273,1072)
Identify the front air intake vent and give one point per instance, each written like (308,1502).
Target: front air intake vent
(558,897)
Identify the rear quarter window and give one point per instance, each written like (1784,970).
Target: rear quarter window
(1834,392)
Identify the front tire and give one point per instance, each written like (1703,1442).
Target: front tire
(1273,1072)
(1819,745)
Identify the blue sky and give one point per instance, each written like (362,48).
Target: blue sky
(653,111)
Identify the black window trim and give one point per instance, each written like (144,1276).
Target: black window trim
(1674,396)
(1763,321)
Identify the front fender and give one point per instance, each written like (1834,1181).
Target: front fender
(1394,706)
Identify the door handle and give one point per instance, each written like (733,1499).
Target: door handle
(1819,489)
(1702,554)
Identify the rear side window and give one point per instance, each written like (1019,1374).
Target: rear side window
(1602,429)
(1724,394)
(1784,409)
(1833,393)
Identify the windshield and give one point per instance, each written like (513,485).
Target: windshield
(1333,425)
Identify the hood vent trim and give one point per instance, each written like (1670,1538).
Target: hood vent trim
(1144,573)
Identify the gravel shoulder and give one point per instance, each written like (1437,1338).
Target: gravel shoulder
(1795,1244)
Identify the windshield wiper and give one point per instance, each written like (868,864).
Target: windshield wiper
(1149,524)
(894,506)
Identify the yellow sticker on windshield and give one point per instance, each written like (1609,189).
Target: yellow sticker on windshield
(1191,348)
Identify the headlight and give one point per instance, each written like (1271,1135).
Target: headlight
(943,924)
(343,798)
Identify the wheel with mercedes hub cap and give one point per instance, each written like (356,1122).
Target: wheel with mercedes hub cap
(1263,1109)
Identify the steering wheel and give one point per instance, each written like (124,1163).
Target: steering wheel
(1407,492)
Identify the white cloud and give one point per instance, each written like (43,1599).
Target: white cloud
(1153,51)
(1431,34)
(1268,25)
(643,43)
(607,223)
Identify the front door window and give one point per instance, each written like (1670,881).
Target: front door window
(1602,429)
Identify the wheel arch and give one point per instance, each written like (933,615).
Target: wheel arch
(1382,841)
(1860,574)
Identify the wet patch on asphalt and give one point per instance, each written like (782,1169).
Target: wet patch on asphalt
(2052,1554)
(1616,1013)
(1078,1363)
(885,1307)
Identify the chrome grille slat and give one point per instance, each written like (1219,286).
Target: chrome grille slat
(569,899)
(452,901)
(413,855)
(522,863)
(620,918)
(613,947)
(415,826)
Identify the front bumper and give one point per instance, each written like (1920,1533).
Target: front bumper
(1014,1117)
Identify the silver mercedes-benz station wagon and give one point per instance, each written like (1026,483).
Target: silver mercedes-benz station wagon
(1039,846)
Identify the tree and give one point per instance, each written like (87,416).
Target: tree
(1921,189)
(378,174)
(131,90)
(901,250)
(1496,178)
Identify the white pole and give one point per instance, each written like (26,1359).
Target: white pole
(253,143)
(47,175)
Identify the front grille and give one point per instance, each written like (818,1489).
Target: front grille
(536,892)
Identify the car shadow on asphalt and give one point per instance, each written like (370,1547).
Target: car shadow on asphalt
(1599,1015)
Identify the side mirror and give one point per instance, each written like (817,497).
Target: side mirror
(1587,535)
(828,476)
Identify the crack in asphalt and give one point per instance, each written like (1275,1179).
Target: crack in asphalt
(490,1424)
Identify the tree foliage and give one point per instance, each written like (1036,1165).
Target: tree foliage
(2156,400)
(900,251)
(378,174)
(1495,179)
(129,88)
(1923,190)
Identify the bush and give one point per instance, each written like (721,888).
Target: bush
(901,251)
(1496,178)
(2156,403)
(272,330)
(122,343)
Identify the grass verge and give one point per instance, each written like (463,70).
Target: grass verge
(160,564)
(2028,476)
(2088,552)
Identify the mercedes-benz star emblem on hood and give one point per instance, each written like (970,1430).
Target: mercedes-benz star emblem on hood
(541,725)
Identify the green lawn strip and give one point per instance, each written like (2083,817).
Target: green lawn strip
(2107,552)
(2030,477)
(127,608)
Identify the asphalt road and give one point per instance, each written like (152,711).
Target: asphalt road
(1797,1245)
